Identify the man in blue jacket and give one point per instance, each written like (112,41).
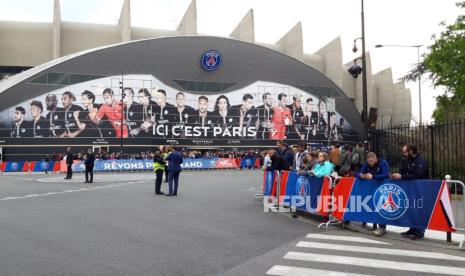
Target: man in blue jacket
(174,169)
(375,169)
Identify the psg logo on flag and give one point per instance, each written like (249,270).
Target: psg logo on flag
(303,187)
(211,60)
(390,201)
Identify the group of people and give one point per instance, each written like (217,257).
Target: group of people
(356,162)
(140,112)
(89,162)
(167,161)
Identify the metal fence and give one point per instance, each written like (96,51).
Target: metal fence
(443,145)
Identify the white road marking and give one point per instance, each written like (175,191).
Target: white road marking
(70,191)
(343,238)
(301,271)
(377,250)
(374,263)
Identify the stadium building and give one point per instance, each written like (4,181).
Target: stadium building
(91,85)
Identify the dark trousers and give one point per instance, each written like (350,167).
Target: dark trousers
(166,173)
(89,172)
(173,177)
(69,171)
(158,180)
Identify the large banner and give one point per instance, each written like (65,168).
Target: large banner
(423,204)
(148,111)
(142,165)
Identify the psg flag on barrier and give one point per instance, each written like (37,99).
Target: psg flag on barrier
(423,204)
(309,193)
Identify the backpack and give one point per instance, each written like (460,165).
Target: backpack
(355,158)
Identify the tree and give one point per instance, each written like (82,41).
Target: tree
(444,64)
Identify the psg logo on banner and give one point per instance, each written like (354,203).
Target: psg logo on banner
(211,60)
(390,201)
(303,187)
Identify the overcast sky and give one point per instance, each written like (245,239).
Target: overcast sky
(404,22)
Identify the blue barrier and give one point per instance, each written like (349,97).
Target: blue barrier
(42,166)
(14,166)
(198,163)
(247,162)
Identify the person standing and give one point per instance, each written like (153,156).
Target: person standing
(69,162)
(174,170)
(416,167)
(158,168)
(375,169)
(89,163)
(299,156)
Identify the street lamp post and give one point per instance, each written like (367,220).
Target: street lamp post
(355,70)
(419,77)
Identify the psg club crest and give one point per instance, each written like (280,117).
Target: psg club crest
(211,60)
(390,201)
(302,187)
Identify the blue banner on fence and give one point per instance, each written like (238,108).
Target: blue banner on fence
(142,165)
(14,166)
(116,165)
(268,183)
(303,191)
(247,162)
(401,203)
(198,163)
(42,166)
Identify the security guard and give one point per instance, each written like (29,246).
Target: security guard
(158,168)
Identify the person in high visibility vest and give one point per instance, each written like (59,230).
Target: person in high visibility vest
(158,167)
(165,152)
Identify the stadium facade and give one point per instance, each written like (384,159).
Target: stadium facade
(235,92)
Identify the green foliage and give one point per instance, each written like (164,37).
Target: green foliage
(444,64)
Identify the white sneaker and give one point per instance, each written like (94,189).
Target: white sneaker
(379,231)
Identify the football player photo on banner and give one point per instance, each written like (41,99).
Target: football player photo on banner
(145,110)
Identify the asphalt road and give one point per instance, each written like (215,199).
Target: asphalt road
(117,226)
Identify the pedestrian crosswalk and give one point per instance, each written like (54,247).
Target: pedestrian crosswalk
(349,255)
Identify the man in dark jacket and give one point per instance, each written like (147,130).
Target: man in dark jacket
(286,153)
(89,164)
(174,169)
(415,167)
(69,162)
(277,162)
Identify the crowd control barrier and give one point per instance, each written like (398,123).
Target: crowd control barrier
(307,193)
(423,204)
(128,165)
(458,206)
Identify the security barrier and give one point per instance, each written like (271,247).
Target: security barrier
(458,205)
(424,204)
(130,165)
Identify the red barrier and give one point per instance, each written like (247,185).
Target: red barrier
(226,163)
(32,165)
(26,167)
(63,167)
(2,166)
(342,192)
(56,166)
(257,163)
